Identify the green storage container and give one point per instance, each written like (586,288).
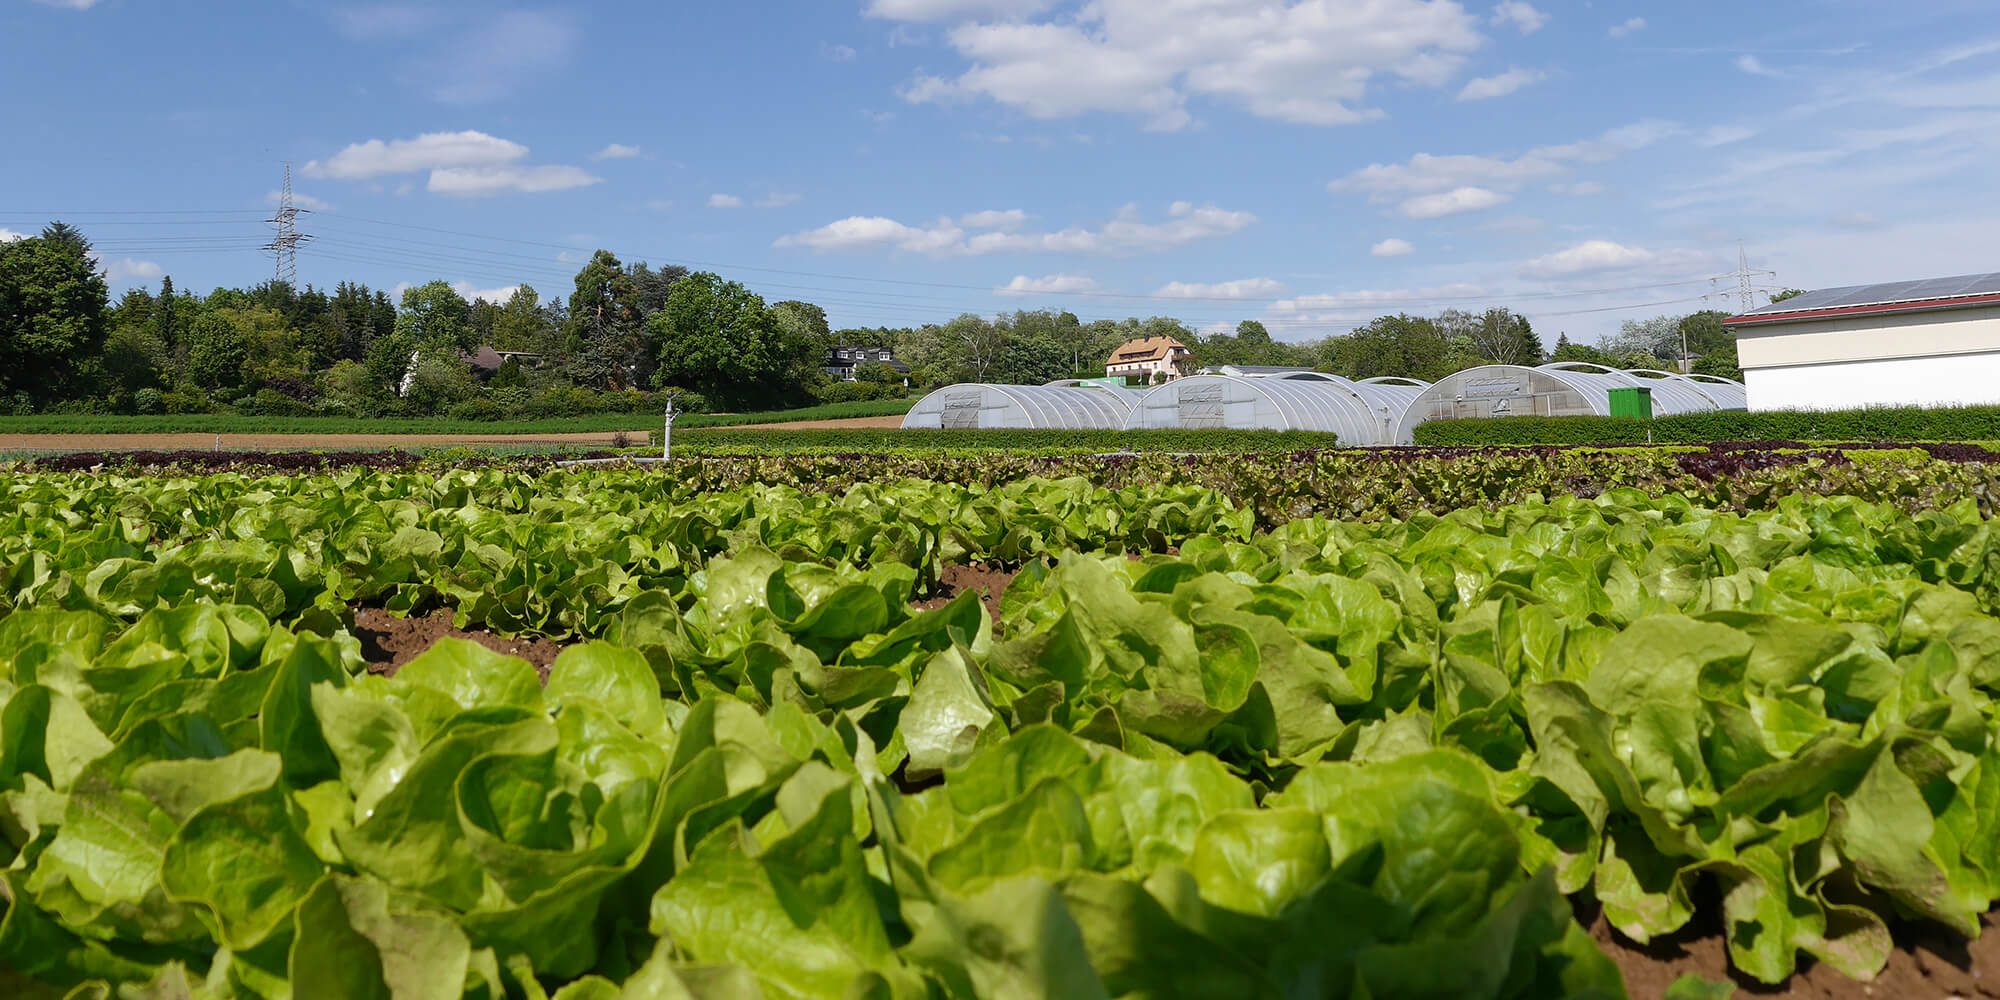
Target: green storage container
(1633,402)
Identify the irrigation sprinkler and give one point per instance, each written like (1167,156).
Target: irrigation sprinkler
(667,435)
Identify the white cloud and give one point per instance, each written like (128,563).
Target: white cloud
(1009,219)
(1453,202)
(9,236)
(1581,189)
(1631,25)
(1586,257)
(479,182)
(299,199)
(1752,65)
(1426,173)
(1127,232)
(1723,135)
(1310,315)
(1487,87)
(616,151)
(778,199)
(1392,247)
(1303,61)
(497,296)
(128,269)
(724,201)
(837,53)
(660,205)
(69,4)
(1520,15)
(1053,284)
(952,10)
(430,151)
(1243,288)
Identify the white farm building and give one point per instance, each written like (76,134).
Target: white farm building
(1906,343)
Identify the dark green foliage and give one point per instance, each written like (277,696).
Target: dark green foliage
(718,338)
(53,303)
(1027,441)
(1903,423)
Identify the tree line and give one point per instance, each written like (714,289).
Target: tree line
(625,335)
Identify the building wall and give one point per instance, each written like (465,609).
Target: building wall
(1920,359)
(1869,338)
(1934,381)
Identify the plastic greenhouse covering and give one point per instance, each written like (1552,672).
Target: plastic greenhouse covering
(1562,390)
(1031,407)
(1361,414)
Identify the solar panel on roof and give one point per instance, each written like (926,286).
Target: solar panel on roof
(1886,293)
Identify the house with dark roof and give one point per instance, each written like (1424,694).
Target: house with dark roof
(1934,342)
(486,361)
(843,361)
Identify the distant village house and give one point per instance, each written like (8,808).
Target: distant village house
(1149,360)
(842,362)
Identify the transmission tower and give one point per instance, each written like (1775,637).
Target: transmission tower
(1746,287)
(285,246)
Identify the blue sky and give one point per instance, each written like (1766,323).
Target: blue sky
(1310,164)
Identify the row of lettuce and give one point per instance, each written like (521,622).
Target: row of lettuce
(1276,485)
(252,818)
(1333,758)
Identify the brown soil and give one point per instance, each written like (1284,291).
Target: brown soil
(956,580)
(1929,963)
(388,642)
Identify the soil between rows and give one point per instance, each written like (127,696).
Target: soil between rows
(1929,963)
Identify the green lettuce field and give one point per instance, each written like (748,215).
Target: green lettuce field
(1213,741)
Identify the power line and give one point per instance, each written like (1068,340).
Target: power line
(505,267)
(285,247)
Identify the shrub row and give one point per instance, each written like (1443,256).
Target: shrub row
(1043,442)
(1881,423)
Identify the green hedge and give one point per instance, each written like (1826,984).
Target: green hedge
(890,441)
(1882,423)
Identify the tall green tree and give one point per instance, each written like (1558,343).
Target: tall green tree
(1400,345)
(218,351)
(53,304)
(719,339)
(604,334)
(1703,332)
(1505,337)
(434,316)
(1567,351)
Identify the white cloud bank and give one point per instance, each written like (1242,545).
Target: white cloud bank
(1054,284)
(1308,62)
(1127,232)
(1392,247)
(1488,87)
(466,164)
(1242,288)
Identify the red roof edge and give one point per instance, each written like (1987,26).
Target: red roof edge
(1880,308)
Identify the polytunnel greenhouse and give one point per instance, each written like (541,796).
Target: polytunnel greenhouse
(1564,389)
(1358,413)
(1079,406)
